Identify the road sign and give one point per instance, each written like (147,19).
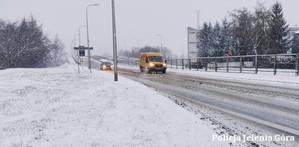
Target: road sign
(230,53)
(81,52)
(83,48)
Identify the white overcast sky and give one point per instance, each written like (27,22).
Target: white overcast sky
(137,20)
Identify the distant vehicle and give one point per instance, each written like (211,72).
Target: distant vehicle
(152,62)
(211,64)
(194,65)
(106,66)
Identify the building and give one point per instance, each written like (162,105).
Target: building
(295,47)
(294,37)
(293,30)
(192,35)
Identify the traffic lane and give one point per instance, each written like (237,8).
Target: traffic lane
(288,121)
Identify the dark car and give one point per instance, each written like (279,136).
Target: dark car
(194,65)
(106,66)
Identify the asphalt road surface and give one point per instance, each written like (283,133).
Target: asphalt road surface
(277,107)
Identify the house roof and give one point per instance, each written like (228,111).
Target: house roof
(192,29)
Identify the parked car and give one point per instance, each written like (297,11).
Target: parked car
(106,66)
(194,65)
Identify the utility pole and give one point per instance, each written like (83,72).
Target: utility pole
(114,42)
(161,44)
(89,62)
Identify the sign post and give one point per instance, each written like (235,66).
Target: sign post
(81,50)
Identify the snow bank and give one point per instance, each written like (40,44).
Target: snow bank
(58,107)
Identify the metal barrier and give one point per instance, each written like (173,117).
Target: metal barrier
(282,63)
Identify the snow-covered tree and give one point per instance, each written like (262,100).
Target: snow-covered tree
(278,31)
(205,40)
(242,31)
(260,35)
(295,46)
(57,55)
(217,45)
(226,37)
(23,44)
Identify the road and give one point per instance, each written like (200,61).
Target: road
(276,107)
(269,105)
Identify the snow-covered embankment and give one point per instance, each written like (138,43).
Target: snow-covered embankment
(59,107)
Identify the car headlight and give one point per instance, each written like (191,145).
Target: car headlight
(151,64)
(164,64)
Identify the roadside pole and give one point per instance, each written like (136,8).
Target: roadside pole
(176,63)
(114,42)
(297,64)
(81,53)
(78,58)
(197,64)
(275,65)
(241,64)
(256,65)
(227,65)
(216,64)
(182,64)
(189,64)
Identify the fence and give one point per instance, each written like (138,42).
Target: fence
(284,63)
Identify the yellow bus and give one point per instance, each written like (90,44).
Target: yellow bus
(152,62)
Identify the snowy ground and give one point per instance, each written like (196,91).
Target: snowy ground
(58,107)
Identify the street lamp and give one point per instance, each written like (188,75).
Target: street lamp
(89,62)
(137,43)
(161,43)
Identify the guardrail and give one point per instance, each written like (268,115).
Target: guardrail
(284,63)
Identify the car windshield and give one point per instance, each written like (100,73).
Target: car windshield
(106,63)
(155,58)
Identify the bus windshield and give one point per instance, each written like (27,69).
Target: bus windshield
(155,58)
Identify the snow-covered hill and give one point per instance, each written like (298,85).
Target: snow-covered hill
(59,107)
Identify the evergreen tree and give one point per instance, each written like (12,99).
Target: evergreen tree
(217,45)
(295,46)
(205,37)
(278,31)
(226,37)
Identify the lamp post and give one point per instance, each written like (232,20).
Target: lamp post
(89,62)
(161,44)
(114,42)
(137,43)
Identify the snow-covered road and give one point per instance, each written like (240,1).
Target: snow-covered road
(262,99)
(58,107)
(258,102)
